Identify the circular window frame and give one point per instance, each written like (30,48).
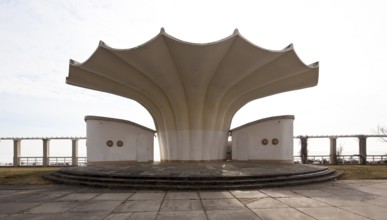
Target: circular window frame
(265,141)
(109,143)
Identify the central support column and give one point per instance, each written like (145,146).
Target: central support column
(195,145)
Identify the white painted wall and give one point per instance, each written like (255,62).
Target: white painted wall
(247,140)
(137,141)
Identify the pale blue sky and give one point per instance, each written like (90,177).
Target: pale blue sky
(39,37)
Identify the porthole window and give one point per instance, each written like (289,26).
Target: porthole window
(120,143)
(264,141)
(275,141)
(109,143)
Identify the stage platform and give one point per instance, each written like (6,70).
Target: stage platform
(193,176)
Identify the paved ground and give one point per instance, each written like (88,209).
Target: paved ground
(364,199)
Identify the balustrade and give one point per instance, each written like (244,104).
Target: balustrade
(75,160)
(46,160)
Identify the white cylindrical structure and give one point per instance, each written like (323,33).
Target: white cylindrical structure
(116,141)
(268,140)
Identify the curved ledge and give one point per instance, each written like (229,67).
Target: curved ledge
(162,33)
(280,117)
(92,117)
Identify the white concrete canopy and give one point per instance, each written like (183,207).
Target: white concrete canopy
(193,90)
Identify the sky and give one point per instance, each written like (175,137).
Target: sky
(38,37)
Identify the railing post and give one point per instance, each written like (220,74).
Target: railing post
(74,152)
(333,151)
(16,152)
(46,152)
(362,149)
(304,149)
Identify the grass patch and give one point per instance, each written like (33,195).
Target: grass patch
(25,175)
(33,175)
(355,172)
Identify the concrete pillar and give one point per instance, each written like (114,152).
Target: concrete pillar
(74,152)
(333,151)
(46,152)
(16,152)
(304,149)
(363,149)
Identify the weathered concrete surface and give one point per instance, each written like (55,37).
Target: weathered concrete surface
(360,199)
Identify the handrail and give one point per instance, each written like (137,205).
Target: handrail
(53,161)
(42,138)
(341,136)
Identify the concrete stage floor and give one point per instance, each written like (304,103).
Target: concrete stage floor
(198,169)
(193,176)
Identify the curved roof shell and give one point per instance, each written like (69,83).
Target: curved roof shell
(190,86)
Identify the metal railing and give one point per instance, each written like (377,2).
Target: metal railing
(53,161)
(342,159)
(47,160)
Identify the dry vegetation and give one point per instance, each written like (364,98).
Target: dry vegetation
(354,172)
(24,175)
(33,175)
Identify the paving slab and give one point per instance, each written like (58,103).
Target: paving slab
(182,195)
(9,191)
(266,203)
(224,204)
(279,192)
(216,195)
(120,216)
(43,197)
(53,207)
(18,197)
(147,196)
(31,216)
(373,212)
(83,216)
(140,206)
(341,191)
(181,205)
(78,197)
(281,213)
(248,200)
(113,196)
(248,194)
(143,216)
(331,213)
(232,215)
(301,202)
(132,216)
(96,206)
(380,201)
(349,201)
(313,193)
(192,215)
(9,208)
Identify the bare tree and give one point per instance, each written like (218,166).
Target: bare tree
(382,131)
(339,150)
